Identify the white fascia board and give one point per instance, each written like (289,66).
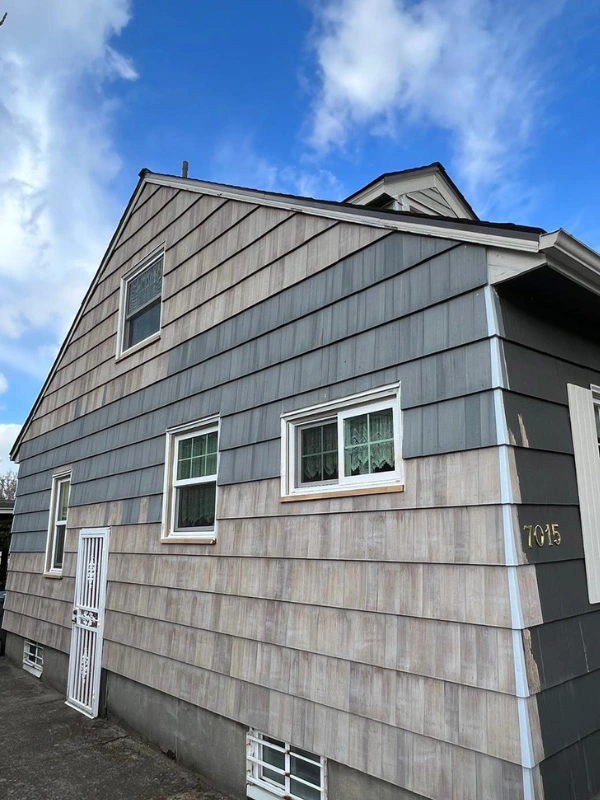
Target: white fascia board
(452,231)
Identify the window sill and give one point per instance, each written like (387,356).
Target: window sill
(208,539)
(348,492)
(56,576)
(139,346)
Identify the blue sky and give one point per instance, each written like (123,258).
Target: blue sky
(314,97)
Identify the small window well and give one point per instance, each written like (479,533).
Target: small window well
(33,657)
(279,769)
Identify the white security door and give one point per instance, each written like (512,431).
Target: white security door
(88,621)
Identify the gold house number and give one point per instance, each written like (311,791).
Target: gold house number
(541,535)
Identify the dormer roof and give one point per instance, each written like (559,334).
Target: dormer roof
(424,190)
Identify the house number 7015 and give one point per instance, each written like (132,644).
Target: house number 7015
(540,535)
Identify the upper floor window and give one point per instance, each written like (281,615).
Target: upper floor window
(190,497)
(59,506)
(597,415)
(278,769)
(345,445)
(141,297)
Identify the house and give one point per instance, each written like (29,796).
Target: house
(310,495)
(6,517)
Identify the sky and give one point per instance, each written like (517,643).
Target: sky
(311,97)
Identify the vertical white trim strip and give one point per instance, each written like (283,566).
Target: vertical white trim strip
(587,467)
(499,383)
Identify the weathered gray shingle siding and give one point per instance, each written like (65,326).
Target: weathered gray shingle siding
(407,308)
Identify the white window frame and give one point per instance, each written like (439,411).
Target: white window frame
(35,664)
(149,261)
(174,436)
(385,397)
(57,481)
(259,787)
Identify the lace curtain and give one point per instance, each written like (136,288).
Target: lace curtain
(369,443)
(319,453)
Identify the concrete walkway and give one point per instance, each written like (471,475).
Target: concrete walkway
(50,752)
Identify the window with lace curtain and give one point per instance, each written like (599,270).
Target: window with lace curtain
(190,496)
(343,445)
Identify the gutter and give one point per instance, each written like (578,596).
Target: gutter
(572,258)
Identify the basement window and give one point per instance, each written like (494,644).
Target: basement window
(279,769)
(33,657)
(343,446)
(141,301)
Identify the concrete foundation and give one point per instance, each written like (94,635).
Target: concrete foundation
(208,743)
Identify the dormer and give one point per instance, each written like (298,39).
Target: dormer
(424,190)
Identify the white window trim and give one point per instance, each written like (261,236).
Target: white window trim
(35,667)
(363,402)
(174,435)
(125,280)
(259,788)
(57,480)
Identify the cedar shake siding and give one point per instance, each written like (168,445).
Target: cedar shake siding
(410,637)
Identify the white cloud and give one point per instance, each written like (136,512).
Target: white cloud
(468,67)
(56,166)
(236,161)
(8,435)
(3,383)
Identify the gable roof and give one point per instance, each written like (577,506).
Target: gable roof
(428,188)
(501,235)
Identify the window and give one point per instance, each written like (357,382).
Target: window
(278,769)
(141,296)
(191,481)
(344,445)
(597,416)
(33,657)
(59,506)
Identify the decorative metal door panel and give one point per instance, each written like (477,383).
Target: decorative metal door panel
(85,662)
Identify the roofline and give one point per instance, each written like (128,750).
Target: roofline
(14,452)
(559,245)
(477,231)
(435,166)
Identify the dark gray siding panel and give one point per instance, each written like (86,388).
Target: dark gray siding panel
(543,376)
(29,542)
(447,325)
(546,478)
(574,773)
(538,424)
(460,424)
(566,648)
(548,348)
(563,590)
(569,712)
